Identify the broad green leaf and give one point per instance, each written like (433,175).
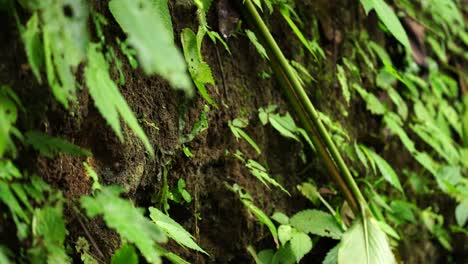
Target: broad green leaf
(125,255)
(461,212)
(386,170)
(388,18)
(316,222)
(157,52)
(107,97)
(364,242)
(253,39)
(51,146)
(116,212)
(173,229)
(9,104)
(301,244)
(284,233)
(199,70)
(33,46)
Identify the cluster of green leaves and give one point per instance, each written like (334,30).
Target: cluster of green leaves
(57,35)
(426,114)
(145,234)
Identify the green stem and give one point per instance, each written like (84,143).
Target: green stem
(307,113)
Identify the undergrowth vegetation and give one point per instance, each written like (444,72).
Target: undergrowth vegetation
(409,80)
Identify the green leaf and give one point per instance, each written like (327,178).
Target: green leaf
(173,229)
(96,185)
(341,75)
(461,212)
(386,170)
(284,233)
(285,125)
(157,52)
(199,70)
(364,242)
(253,39)
(125,255)
(332,256)
(316,222)
(280,218)
(261,174)
(301,244)
(117,212)
(388,18)
(239,133)
(65,39)
(108,99)
(33,46)
(373,103)
(50,232)
(51,146)
(82,247)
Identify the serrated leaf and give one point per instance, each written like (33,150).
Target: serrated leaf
(49,227)
(32,43)
(366,243)
(316,222)
(173,229)
(301,244)
(65,38)
(125,255)
(332,256)
(116,212)
(51,146)
(157,52)
(199,70)
(108,99)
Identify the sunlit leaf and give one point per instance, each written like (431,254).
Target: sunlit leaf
(316,222)
(365,242)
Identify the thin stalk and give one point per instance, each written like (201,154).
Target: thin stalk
(307,113)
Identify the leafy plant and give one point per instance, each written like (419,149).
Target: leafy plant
(133,16)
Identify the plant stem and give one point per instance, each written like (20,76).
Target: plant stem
(307,113)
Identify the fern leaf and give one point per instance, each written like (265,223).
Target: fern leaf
(51,146)
(116,213)
(107,98)
(155,44)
